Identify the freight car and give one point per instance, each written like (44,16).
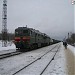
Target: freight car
(29,38)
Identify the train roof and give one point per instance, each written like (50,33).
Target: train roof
(19,28)
(33,30)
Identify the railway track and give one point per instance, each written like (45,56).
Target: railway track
(2,56)
(39,59)
(9,54)
(49,62)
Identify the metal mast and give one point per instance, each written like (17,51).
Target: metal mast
(4,24)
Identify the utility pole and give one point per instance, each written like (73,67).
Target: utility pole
(4,24)
(68,35)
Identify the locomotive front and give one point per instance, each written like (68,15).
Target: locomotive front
(22,38)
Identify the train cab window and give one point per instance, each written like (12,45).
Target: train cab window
(16,32)
(25,31)
(31,32)
(36,34)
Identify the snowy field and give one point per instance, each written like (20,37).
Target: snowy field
(10,48)
(59,66)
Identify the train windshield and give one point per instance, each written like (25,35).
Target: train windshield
(21,33)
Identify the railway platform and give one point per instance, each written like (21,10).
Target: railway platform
(64,63)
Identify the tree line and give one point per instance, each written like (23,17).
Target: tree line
(10,36)
(71,39)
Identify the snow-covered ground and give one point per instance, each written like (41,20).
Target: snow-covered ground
(37,67)
(19,61)
(10,48)
(72,48)
(63,63)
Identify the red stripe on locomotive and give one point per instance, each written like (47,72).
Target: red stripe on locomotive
(17,39)
(27,38)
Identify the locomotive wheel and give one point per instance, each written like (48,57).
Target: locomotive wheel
(31,47)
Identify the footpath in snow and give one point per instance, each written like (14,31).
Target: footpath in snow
(70,59)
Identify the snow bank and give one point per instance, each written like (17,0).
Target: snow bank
(72,48)
(10,48)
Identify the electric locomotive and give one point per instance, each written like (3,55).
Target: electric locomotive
(29,38)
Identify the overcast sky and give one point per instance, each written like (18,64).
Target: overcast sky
(53,17)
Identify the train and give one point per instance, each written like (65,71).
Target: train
(29,38)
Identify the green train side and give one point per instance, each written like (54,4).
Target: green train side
(29,38)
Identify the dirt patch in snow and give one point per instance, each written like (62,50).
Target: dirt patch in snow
(70,62)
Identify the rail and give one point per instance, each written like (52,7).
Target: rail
(35,61)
